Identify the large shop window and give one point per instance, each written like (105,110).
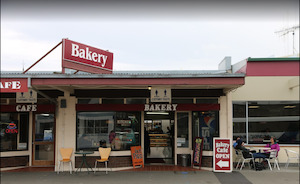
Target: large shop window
(258,121)
(206,125)
(118,130)
(14,131)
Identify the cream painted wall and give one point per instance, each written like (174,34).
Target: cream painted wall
(267,88)
(66,129)
(281,88)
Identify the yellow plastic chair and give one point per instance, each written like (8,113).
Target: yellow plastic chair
(66,157)
(104,154)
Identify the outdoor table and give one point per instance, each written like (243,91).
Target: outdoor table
(259,151)
(84,153)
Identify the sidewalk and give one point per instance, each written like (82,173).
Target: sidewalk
(246,176)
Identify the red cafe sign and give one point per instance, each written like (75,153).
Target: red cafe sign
(13,85)
(222,161)
(85,58)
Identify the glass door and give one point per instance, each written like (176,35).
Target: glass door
(43,139)
(183,134)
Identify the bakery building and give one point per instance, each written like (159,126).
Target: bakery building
(161,111)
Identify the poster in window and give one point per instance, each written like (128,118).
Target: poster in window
(47,135)
(197,153)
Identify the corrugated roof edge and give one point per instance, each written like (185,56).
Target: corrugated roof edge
(123,74)
(274,59)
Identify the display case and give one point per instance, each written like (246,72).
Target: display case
(159,140)
(160,146)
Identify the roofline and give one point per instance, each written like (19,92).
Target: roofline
(274,59)
(126,75)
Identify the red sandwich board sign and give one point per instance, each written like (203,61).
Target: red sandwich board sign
(222,161)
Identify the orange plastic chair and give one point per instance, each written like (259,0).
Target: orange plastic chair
(66,157)
(104,154)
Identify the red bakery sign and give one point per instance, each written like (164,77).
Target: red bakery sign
(222,155)
(85,58)
(13,85)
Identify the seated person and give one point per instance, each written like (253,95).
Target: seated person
(246,152)
(238,139)
(273,145)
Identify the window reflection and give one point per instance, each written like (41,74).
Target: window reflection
(118,130)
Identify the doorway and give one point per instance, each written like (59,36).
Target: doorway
(159,137)
(43,142)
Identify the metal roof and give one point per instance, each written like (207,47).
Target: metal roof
(124,74)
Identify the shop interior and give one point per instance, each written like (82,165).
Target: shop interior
(159,137)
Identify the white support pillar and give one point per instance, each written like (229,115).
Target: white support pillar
(225,116)
(66,127)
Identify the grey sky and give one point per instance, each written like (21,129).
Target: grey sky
(162,35)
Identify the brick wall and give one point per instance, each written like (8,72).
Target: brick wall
(14,161)
(123,161)
(207,161)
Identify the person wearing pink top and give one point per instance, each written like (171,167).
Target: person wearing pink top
(266,154)
(273,145)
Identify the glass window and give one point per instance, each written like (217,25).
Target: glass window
(239,120)
(183,129)
(14,131)
(206,125)
(44,124)
(273,118)
(118,130)
(182,101)
(135,101)
(112,101)
(88,101)
(267,118)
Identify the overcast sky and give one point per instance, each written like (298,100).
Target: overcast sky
(161,35)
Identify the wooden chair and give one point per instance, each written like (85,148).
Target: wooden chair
(66,157)
(104,155)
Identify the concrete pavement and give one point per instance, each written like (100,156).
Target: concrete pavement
(246,176)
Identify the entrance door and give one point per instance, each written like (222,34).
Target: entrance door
(159,132)
(183,134)
(43,140)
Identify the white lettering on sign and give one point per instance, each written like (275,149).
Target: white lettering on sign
(222,150)
(222,155)
(221,144)
(26,108)
(11,85)
(88,55)
(160,107)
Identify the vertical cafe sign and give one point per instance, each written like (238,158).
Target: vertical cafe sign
(85,58)
(222,161)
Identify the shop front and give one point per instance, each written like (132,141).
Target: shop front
(88,105)
(117,111)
